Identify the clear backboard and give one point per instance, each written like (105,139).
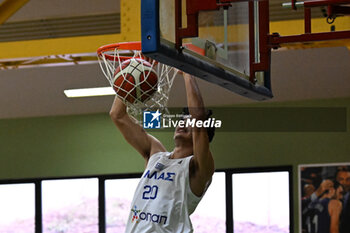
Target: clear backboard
(223,42)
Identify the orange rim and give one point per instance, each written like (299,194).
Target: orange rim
(131,46)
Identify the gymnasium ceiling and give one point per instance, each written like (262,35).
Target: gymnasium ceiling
(36,36)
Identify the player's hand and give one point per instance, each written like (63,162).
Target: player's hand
(186,75)
(150,60)
(179,71)
(324,186)
(142,56)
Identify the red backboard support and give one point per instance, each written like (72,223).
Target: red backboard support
(266,41)
(334,8)
(194,6)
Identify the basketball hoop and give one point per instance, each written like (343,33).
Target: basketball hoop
(111,57)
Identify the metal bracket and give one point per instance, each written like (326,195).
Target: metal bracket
(193,7)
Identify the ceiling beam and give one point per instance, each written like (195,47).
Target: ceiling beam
(10,7)
(57,46)
(130,31)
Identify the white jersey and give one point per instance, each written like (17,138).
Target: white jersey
(163,200)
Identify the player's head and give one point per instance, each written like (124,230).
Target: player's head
(185,132)
(335,191)
(343,177)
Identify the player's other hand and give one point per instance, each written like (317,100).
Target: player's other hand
(324,186)
(148,59)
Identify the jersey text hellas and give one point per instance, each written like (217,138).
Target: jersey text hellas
(169,176)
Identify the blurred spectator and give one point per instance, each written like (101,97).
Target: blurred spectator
(322,215)
(343,177)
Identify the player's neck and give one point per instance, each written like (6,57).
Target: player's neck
(181,151)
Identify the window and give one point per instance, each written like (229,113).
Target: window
(261,202)
(70,205)
(119,194)
(212,208)
(17,208)
(241,201)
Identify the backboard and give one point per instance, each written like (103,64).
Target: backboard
(223,42)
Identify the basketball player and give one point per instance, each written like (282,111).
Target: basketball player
(174,182)
(324,214)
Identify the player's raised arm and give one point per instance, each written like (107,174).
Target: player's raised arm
(203,163)
(134,134)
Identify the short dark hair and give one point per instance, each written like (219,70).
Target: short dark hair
(210,130)
(341,169)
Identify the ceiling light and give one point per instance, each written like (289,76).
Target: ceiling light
(87,92)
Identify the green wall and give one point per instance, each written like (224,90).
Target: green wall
(86,145)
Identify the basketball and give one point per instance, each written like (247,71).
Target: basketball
(135,79)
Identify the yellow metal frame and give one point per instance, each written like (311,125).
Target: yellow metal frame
(130,31)
(9,7)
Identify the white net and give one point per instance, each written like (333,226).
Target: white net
(120,66)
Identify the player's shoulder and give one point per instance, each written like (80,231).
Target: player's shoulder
(156,156)
(160,154)
(335,205)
